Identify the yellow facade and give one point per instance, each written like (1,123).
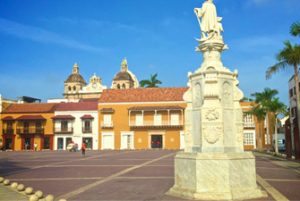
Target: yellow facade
(123,120)
(18,133)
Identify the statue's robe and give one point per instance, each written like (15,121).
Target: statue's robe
(209,17)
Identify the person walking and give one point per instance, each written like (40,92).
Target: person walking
(83,147)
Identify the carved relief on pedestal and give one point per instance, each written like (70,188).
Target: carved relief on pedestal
(197,95)
(212,133)
(212,115)
(227,94)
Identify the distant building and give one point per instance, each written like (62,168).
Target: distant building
(125,79)
(76,88)
(292,131)
(76,122)
(143,118)
(27,124)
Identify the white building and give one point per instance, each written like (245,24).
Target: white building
(77,122)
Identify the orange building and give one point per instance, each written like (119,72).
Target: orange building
(142,118)
(28,126)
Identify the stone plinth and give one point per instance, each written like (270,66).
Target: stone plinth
(215,176)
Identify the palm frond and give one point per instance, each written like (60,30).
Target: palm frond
(295,29)
(274,69)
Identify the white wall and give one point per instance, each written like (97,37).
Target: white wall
(78,125)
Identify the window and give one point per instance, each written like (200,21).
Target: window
(26,126)
(70,89)
(139,119)
(157,119)
(118,86)
(74,88)
(107,120)
(87,126)
(291,93)
(248,138)
(46,144)
(64,126)
(9,125)
(123,86)
(175,119)
(248,120)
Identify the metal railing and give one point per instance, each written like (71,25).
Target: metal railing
(87,130)
(59,130)
(107,125)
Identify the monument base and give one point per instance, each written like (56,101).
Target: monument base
(215,176)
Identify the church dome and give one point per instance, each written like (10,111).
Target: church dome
(76,78)
(123,76)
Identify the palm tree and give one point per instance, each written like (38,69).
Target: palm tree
(276,107)
(260,115)
(288,57)
(153,82)
(295,29)
(263,99)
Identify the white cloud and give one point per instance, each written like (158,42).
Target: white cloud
(43,36)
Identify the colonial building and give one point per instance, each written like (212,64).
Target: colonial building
(27,124)
(4,103)
(76,122)
(251,134)
(292,131)
(142,118)
(124,79)
(76,88)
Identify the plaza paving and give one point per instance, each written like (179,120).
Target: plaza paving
(125,175)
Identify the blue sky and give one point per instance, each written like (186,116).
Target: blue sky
(41,39)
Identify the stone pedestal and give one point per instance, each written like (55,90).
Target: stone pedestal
(215,176)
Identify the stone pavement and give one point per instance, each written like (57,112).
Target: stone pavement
(126,175)
(7,194)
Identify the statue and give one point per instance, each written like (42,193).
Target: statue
(211,26)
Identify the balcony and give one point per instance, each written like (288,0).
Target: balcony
(31,130)
(249,125)
(59,130)
(87,130)
(152,124)
(8,131)
(107,125)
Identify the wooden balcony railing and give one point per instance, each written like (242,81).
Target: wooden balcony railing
(152,124)
(31,130)
(8,131)
(249,125)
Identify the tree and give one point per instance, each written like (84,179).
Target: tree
(153,82)
(295,29)
(260,115)
(263,100)
(276,107)
(288,57)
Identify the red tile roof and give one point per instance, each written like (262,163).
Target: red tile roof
(142,95)
(77,106)
(60,117)
(31,117)
(30,108)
